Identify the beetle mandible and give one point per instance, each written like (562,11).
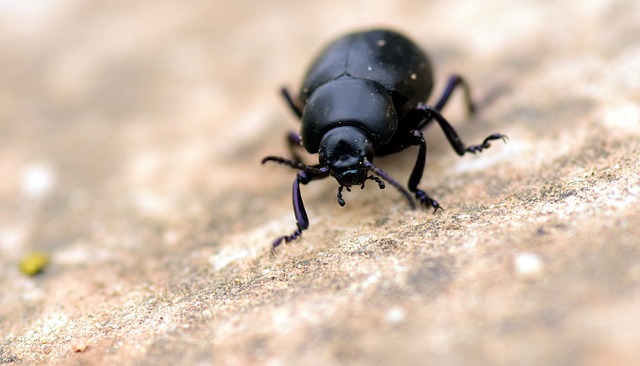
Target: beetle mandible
(363,96)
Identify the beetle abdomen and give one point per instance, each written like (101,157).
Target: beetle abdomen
(383,56)
(348,101)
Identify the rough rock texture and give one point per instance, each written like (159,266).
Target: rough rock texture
(130,141)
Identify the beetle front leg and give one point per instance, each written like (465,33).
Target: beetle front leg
(416,138)
(452,135)
(302,220)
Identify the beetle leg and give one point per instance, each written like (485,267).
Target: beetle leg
(453,82)
(302,220)
(391,181)
(294,142)
(452,135)
(293,139)
(416,138)
(295,105)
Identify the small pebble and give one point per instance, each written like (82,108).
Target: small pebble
(80,346)
(34,263)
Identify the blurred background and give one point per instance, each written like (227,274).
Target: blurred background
(130,140)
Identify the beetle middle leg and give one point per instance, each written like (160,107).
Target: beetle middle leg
(293,104)
(293,139)
(415,138)
(451,134)
(294,143)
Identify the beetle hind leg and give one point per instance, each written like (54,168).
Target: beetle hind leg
(454,82)
(293,104)
(416,138)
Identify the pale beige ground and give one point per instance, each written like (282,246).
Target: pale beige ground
(130,141)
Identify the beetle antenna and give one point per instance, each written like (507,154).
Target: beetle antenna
(375,179)
(341,201)
(391,181)
(313,169)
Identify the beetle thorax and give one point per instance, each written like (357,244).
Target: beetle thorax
(348,101)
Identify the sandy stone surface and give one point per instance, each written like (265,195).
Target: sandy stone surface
(130,141)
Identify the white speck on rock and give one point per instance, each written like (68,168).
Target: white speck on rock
(396,315)
(38,179)
(528,265)
(12,237)
(54,323)
(626,116)
(223,259)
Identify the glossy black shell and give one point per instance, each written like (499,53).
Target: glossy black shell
(381,63)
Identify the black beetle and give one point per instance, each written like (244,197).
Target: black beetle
(363,97)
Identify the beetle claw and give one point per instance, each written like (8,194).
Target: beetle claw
(486,144)
(427,201)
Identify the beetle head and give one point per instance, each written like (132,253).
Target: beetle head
(346,154)
(343,150)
